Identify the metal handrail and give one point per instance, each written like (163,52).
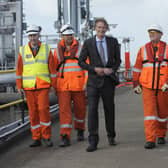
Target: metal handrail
(12,103)
(7,71)
(12,129)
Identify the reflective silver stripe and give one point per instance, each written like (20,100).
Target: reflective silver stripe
(28,77)
(58,55)
(80,121)
(72,70)
(165,52)
(35,127)
(155,118)
(18,77)
(161,119)
(86,73)
(28,63)
(39,61)
(53,75)
(46,75)
(150,118)
(42,61)
(163,63)
(23,55)
(66,126)
(151,64)
(137,70)
(71,64)
(45,124)
(47,55)
(145,55)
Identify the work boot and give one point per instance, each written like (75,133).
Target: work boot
(64,141)
(161,140)
(112,141)
(80,135)
(91,148)
(48,142)
(35,143)
(149,145)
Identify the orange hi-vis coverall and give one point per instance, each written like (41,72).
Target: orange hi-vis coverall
(35,74)
(70,86)
(151,72)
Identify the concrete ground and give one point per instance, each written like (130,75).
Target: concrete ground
(129,153)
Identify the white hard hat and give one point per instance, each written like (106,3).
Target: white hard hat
(33,29)
(66,29)
(155,27)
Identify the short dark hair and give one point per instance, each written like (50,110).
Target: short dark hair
(101,19)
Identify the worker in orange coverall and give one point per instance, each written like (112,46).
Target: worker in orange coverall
(70,86)
(35,74)
(150,76)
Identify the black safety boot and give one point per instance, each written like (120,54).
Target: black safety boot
(48,142)
(64,141)
(35,143)
(161,140)
(91,148)
(112,141)
(149,145)
(80,135)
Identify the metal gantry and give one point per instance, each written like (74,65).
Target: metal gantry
(75,12)
(10,27)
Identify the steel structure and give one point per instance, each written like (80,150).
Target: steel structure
(10,32)
(75,12)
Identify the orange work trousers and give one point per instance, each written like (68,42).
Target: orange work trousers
(65,99)
(40,120)
(155,113)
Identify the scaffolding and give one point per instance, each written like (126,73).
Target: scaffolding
(10,32)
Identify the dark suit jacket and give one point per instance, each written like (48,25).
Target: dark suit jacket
(90,50)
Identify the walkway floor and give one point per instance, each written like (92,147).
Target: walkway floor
(129,153)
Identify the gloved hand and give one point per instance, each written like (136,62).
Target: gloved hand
(21,92)
(138,89)
(164,87)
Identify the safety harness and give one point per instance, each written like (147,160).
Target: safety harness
(156,63)
(63,63)
(74,56)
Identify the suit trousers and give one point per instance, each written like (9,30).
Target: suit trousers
(106,92)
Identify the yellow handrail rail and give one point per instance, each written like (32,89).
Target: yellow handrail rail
(11,103)
(7,71)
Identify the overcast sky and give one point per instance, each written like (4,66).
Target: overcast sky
(132,16)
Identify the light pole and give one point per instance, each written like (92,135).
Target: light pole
(126,42)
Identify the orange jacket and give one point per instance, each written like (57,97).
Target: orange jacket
(70,77)
(145,73)
(39,82)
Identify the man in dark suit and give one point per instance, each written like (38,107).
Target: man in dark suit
(104,59)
